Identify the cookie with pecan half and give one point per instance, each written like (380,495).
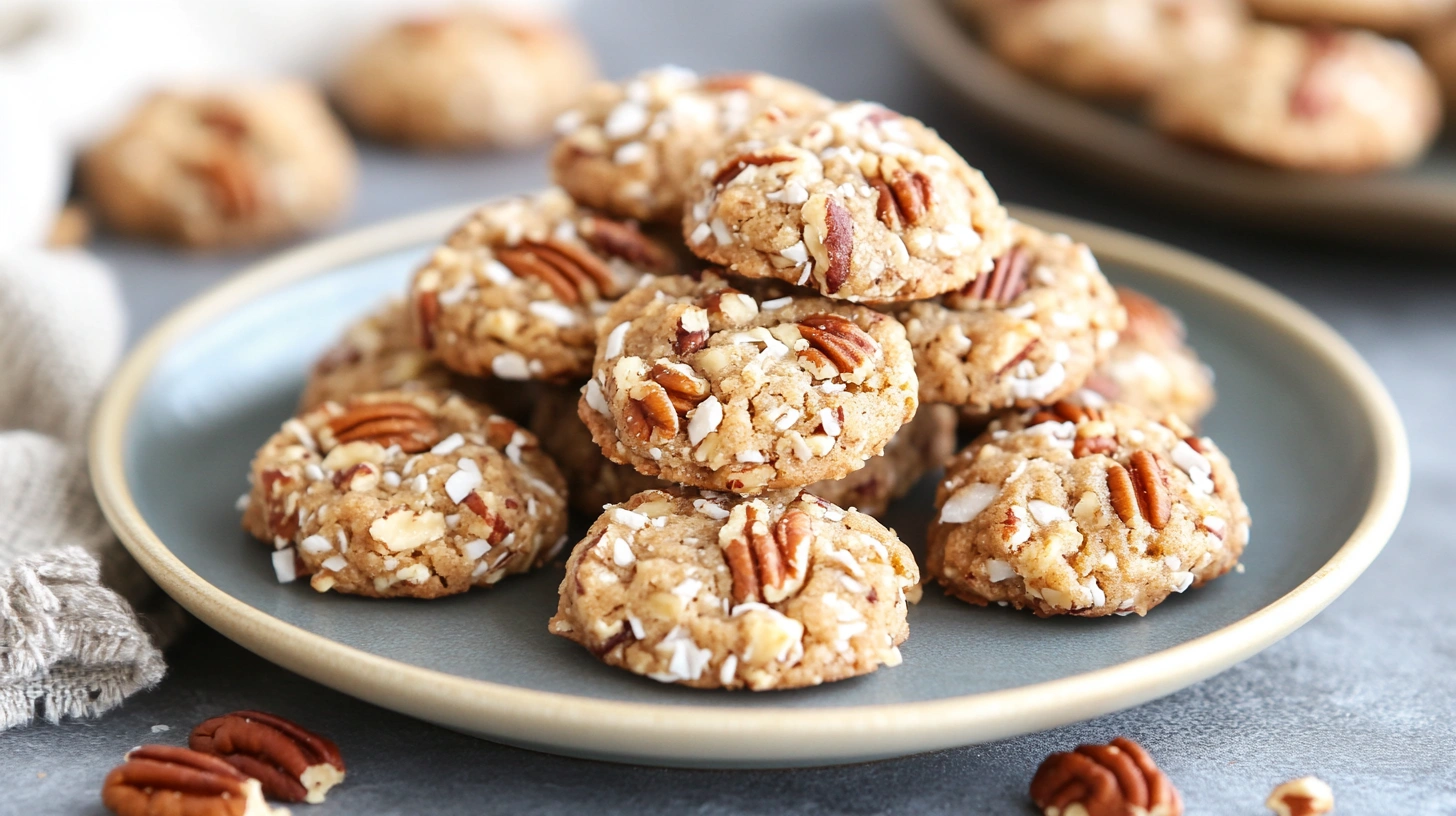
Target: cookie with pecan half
(516,291)
(631,148)
(705,385)
(1027,333)
(1151,368)
(860,204)
(712,591)
(407,493)
(1070,510)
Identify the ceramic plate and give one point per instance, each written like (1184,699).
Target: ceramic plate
(1317,444)
(1412,206)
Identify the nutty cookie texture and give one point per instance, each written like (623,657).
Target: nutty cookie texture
(775,592)
(1318,100)
(630,148)
(1151,368)
(248,165)
(468,78)
(1027,333)
(704,385)
(920,446)
(1111,48)
(515,292)
(405,494)
(860,203)
(1071,510)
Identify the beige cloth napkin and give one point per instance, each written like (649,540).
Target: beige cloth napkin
(71,644)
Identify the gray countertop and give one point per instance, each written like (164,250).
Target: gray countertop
(1362,696)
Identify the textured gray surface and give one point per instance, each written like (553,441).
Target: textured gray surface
(1361,696)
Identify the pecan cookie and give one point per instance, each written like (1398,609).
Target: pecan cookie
(1110,48)
(244,166)
(1027,333)
(704,385)
(780,591)
(592,480)
(860,204)
(1390,16)
(516,291)
(1151,368)
(405,494)
(467,78)
(1319,100)
(1085,511)
(631,147)
(1438,48)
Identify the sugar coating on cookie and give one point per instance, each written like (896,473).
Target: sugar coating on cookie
(248,165)
(631,148)
(1081,511)
(1027,333)
(516,291)
(1111,48)
(413,493)
(860,203)
(1388,16)
(920,446)
(467,78)
(705,385)
(1319,100)
(780,591)
(1151,368)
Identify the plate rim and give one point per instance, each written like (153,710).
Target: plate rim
(1382,206)
(705,734)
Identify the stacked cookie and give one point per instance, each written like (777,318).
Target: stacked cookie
(734,407)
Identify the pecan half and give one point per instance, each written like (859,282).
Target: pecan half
(1064,411)
(385,424)
(838,243)
(566,268)
(692,331)
(1140,489)
(618,239)
(1117,779)
(1305,796)
(651,411)
(1091,445)
(837,341)
(684,387)
(767,565)
(904,198)
(1005,282)
(730,169)
(163,779)
(292,763)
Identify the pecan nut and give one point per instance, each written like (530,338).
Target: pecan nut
(684,387)
(837,345)
(1064,411)
(1305,796)
(1117,779)
(292,763)
(1004,283)
(572,273)
(838,241)
(904,196)
(731,169)
(1140,489)
(162,779)
(650,411)
(618,239)
(385,424)
(692,331)
(767,564)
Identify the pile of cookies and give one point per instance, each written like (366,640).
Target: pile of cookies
(735,406)
(1319,85)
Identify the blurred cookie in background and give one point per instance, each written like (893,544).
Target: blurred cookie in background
(231,167)
(467,79)
(1438,46)
(1152,368)
(1108,48)
(1389,16)
(1308,99)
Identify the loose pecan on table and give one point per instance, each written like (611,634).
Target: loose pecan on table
(163,780)
(292,763)
(1117,779)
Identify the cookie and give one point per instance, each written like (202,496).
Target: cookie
(416,494)
(1151,368)
(861,204)
(704,385)
(516,291)
(1085,511)
(592,480)
(244,166)
(1025,334)
(465,79)
(775,592)
(630,148)
(1437,45)
(1389,16)
(1325,101)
